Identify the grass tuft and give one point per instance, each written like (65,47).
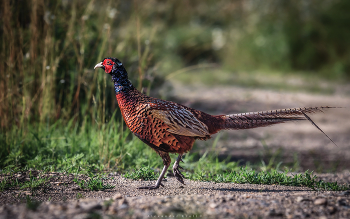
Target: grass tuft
(35,183)
(273,177)
(144,173)
(95,183)
(246,175)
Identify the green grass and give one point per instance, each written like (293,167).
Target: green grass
(247,175)
(36,183)
(33,184)
(144,173)
(7,183)
(90,151)
(94,183)
(74,149)
(209,168)
(273,177)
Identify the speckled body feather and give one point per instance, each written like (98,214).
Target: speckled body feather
(169,127)
(157,122)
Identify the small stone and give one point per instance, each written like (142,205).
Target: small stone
(181,187)
(57,207)
(213,205)
(123,202)
(113,208)
(274,213)
(123,206)
(58,183)
(81,216)
(117,196)
(300,199)
(345,193)
(91,206)
(332,209)
(27,193)
(320,201)
(75,188)
(342,202)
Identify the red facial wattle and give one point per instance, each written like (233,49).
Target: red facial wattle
(108,64)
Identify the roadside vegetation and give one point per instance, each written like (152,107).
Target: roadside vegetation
(59,115)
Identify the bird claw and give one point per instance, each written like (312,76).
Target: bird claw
(178,175)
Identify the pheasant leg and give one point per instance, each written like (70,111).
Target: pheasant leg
(159,181)
(178,175)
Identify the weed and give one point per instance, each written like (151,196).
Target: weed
(36,183)
(93,184)
(144,173)
(79,195)
(272,177)
(7,183)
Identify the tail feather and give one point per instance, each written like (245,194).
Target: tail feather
(267,118)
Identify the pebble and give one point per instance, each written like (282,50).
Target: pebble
(213,205)
(117,196)
(320,201)
(332,209)
(300,199)
(345,193)
(342,202)
(75,188)
(91,206)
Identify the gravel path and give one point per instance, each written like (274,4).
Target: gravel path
(192,200)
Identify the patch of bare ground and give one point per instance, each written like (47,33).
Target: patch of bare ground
(63,199)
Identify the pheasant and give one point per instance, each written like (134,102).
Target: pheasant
(169,127)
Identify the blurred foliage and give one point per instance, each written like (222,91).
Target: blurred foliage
(48,49)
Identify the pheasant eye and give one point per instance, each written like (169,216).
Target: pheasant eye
(108,62)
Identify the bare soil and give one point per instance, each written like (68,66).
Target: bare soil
(288,143)
(63,199)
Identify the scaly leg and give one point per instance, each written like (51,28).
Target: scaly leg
(178,175)
(159,181)
(166,161)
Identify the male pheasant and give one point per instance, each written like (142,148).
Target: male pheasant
(169,127)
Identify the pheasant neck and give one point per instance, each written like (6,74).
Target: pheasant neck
(121,82)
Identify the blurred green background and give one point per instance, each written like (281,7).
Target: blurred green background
(54,106)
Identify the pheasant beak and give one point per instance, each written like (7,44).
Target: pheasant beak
(99,65)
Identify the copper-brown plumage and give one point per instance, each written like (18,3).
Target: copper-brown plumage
(169,127)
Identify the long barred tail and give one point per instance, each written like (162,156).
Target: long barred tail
(266,118)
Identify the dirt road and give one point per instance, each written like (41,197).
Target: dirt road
(193,200)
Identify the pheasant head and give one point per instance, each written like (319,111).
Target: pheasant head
(115,68)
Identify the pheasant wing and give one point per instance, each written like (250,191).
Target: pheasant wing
(179,120)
